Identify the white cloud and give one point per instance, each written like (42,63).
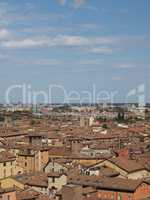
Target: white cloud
(75,4)
(25,43)
(101,50)
(87,44)
(60,40)
(4,34)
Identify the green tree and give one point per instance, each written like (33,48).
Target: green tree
(104,126)
(120,117)
(2,118)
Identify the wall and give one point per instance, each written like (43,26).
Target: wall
(111,195)
(57,182)
(141,191)
(27,162)
(56,167)
(9,195)
(7,169)
(9,182)
(139,174)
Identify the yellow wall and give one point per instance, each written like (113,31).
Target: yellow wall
(113,166)
(33,163)
(9,182)
(7,169)
(27,163)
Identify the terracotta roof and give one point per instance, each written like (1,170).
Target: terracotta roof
(38,179)
(105,183)
(30,194)
(88,190)
(127,164)
(6,190)
(58,151)
(6,156)
(108,172)
(44,197)
(54,174)
(27,194)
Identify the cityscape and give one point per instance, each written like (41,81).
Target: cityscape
(74,100)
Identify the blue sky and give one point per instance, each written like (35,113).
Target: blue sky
(75,44)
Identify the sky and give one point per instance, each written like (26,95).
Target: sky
(75,47)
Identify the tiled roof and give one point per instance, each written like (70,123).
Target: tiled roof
(6,156)
(127,164)
(105,183)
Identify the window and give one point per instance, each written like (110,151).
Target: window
(99,195)
(112,196)
(11,171)
(4,173)
(25,164)
(4,164)
(119,196)
(61,170)
(8,197)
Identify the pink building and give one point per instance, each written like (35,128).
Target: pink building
(7,194)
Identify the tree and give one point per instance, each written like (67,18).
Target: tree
(104,126)
(121,117)
(33,122)
(2,118)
